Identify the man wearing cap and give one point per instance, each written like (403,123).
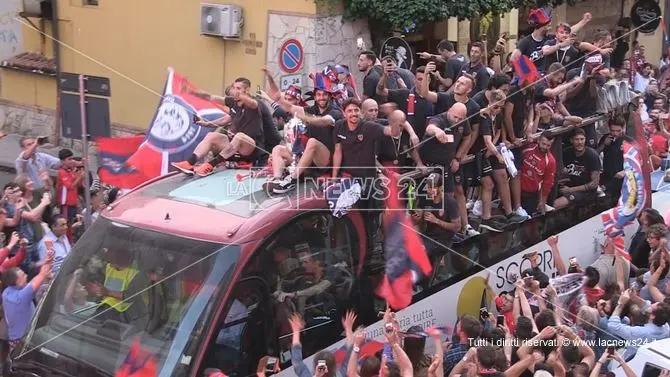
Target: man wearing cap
(346,79)
(319,119)
(440,216)
(533,44)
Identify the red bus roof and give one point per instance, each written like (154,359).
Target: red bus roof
(227,206)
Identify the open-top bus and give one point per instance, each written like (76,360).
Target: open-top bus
(205,264)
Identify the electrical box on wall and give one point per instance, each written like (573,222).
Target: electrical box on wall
(221,20)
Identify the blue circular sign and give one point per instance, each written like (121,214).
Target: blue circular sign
(291,56)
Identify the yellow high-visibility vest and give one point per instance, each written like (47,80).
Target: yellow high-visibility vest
(118,281)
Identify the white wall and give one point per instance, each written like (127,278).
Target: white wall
(11,36)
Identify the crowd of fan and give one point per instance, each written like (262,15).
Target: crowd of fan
(41,217)
(542,334)
(620,302)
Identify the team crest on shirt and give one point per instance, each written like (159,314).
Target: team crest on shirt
(360,137)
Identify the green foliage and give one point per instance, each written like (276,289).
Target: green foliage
(410,14)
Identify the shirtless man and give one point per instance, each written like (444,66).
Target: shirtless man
(245,133)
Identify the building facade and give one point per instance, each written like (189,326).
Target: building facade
(134,42)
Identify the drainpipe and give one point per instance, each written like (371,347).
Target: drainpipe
(56,47)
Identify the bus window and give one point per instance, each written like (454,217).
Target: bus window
(308,267)
(122,284)
(243,335)
(457,262)
(651,370)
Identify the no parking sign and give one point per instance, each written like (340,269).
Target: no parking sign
(291,56)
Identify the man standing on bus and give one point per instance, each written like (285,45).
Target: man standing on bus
(246,130)
(537,174)
(355,141)
(446,141)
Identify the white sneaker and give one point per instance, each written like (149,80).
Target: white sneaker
(477,208)
(521,212)
(470,231)
(548,208)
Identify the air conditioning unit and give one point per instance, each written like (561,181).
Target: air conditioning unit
(37,8)
(221,20)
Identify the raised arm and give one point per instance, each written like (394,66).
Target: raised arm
(556,255)
(423,88)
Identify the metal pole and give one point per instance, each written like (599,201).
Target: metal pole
(84,140)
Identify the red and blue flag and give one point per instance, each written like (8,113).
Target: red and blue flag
(526,70)
(406,258)
(113,153)
(172,136)
(633,197)
(138,363)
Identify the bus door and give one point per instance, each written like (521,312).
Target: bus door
(245,331)
(309,269)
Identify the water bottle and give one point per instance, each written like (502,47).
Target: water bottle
(294,164)
(410,104)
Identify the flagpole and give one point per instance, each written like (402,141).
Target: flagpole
(84,140)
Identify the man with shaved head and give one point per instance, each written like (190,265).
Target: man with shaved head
(459,175)
(370,109)
(445,134)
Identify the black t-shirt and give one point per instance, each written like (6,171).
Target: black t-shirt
(567,56)
(247,121)
(323,134)
(483,102)
(522,101)
(612,157)
(485,129)
(454,66)
(481,75)
(533,49)
(395,149)
(579,168)
(581,103)
(370,82)
(432,151)
(358,146)
(423,109)
(270,132)
(446,100)
(539,97)
(445,210)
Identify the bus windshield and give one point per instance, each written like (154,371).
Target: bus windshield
(120,285)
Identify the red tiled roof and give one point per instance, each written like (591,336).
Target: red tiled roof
(31,61)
